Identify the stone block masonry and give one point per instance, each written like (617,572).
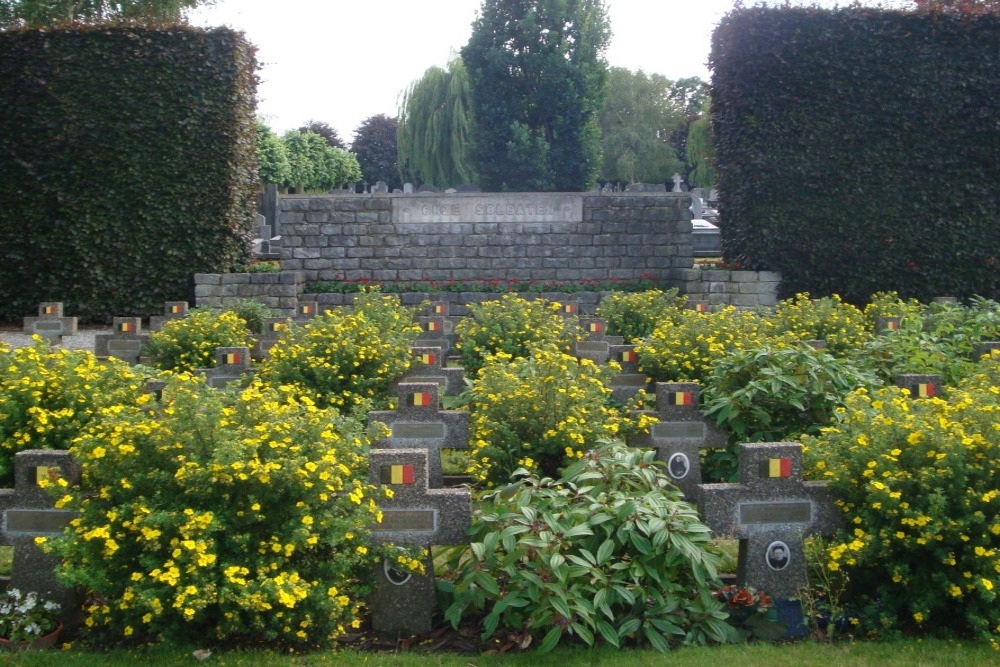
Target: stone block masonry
(566,237)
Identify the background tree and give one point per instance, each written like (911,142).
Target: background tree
(435,126)
(375,147)
(637,121)
(272,156)
(47,12)
(701,151)
(964,6)
(537,76)
(316,165)
(324,130)
(687,96)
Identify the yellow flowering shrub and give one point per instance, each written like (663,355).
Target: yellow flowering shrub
(683,350)
(634,315)
(189,343)
(221,516)
(514,326)
(345,357)
(539,413)
(802,318)
(920,491)
(47,395)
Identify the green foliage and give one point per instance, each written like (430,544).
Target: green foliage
(189,343)
(635,315)
(220,516)
(637,120)
(345,357)
(917,483)
(607,554)
(374,146)
(684,349)
(252,313)
(435,128)
(48,396)
(48,12)
(701,152)
(329,134)
(272,156)
(126,164)
(827,182)
(315,165)
(514,326)
(537,76)
(841,325)
(539,413)
(776,392)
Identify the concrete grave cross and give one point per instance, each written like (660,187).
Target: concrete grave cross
(125,341)
(172,310)
(50,324)
(430,367)
(306,310)
(629,381)
(771,510)
(597,344)
(886,324)
(419,423)
(919,386)
(434,332)
(27,511)
(231,364)
(271,330)
(989,348)
(415,516)
(680,432)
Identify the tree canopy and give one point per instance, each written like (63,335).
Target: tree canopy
(48,12)
(537,78)
(375,147)
(326,131)
(316,165)
(435,128)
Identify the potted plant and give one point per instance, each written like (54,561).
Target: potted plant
(27,621)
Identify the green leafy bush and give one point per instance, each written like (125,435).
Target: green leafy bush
(514,326)
(539,413)
(189,343)
(49,395)
(917,482)
(216,516)
(252,313)
(345,357)
(635,315)
(609,553)
(686,348)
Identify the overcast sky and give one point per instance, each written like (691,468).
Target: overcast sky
(341,62)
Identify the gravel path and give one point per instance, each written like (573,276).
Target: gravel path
(83,340)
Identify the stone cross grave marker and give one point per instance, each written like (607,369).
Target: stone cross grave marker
(699,306)
(419,423)
(597,344)
(629,381)
(677,179)
(231,364)
(270,331)
(770,510)
(433,332)
(986,348)
(415,516)
(441,309)
(28,512)
(125,342)
(172,310)
(680,433)
(306,310)
(50,324)
(430,366)
(919,386)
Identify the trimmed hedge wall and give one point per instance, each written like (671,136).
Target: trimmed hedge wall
(859,150)
(127,165)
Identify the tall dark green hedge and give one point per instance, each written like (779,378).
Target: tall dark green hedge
(126,165)
(858,150)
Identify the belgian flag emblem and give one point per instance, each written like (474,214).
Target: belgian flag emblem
(439,309)
(569,308)
(429,359)
(892,325)
(176,309)
(399,474)
(629,356)
(700,307)
(49,310)
(433,326)
(776,468)
(926,390)
(680,398)
(233,358)
(596,327)
(420,399)
(127,327)
(306,310)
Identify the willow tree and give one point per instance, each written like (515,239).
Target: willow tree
(48,12)
(435,124)
(538,77)
(701,151)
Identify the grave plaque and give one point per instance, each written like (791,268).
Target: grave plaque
(232,364)
(125,341)
(431,366)
(50,324)
(629,380)
(416,516)
(884,325)
(172,310)
(919,386)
